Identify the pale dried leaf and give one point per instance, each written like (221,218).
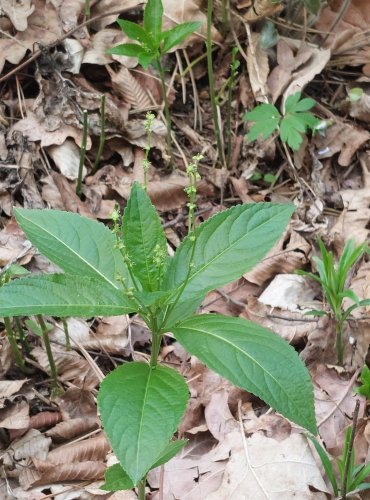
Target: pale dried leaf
(18,12)
(92,449)
(67,158)
(101,42)
(270,469)
(15,416)
(9,387)
(258,67)
(261,9)
(32,445)
(6,355)
(127,86)
(72,428)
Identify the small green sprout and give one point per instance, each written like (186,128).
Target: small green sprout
(364,389)
(291,126)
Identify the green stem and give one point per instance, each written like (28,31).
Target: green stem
(141,489)
(49,353)
(166,107)
(22,336)
(212,81)
(228,110)
(350,451)
(14,346)
(102,135)
(339,346)
(156,345)
(225,17)
(82,154)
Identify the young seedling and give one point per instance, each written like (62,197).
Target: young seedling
(152,44)
(291,126)
(128,270)
(333,279)
(364,389)
(352,478)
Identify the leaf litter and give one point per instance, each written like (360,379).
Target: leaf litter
(40,139)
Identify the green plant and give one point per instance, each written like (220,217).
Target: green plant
(153,44)
(82,152)
(291,126)
(364,389)
(352,478)
(128,270)
(333,279)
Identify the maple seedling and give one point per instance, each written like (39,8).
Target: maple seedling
(332,279)
(152,44)
(128,270)
(292,125)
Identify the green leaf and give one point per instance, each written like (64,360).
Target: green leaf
(62,295)
(78,245)
(178,34)
(267,118)
(141,407)
(144,239)
(253,358)
(116,479)
(147,58)
(227,245)
(360,474)
(313,6)
(153,14)
(326,464)
(127,49)
(290,132)
(135,32)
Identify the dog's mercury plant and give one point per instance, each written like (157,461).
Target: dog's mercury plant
(129,271)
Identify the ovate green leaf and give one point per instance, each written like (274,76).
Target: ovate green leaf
(227,245)
(153,14)
(141,407)
(78,245)
(62,295)
(127,49)
(134,31)
(178,34)
(144,239)
(253,358)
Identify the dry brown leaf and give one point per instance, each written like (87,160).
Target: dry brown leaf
(126,86)
(356,15)
(342,138)
(360,109)
(72,428)
(290,253)
(67,159)
(6,354)
(258,67)
(32,445)
(101,42)
(76,403)
(104,6)
(18,12)
(218,416)
(230,299)
(8,388)
(15,416)
(334,402)
(92,449)
(13,244)
(272,469)
(70,366)
(291,326)
(71,201)
(69,12)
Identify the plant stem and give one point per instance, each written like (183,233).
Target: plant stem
(102,135)
(350,451)
(141,489)
(166,107)
(156,345)
(82,154)
(229,109)
(225,17)
(212,81)
(49,353)
(339,346)
(66,333)
(14,346)
(22,336)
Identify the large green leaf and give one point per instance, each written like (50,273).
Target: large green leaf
(62,295)
(116,479)
(144,239)
(253,358)
(141,407)
(78,245)
(227,245)
(153,14)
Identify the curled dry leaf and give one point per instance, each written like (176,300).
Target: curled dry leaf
(32,445)
(15,416)
(8,388)
(72,428)
(18,12)
(290,253)
(259,9)
(67,158)
(70,365)
(92,449)
(6,355)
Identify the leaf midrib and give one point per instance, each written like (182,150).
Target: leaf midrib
(201,269)
(222,339)
(96,271)
(142,418)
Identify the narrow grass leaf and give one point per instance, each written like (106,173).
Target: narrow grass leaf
(253,358)
(62,295)
(141,407)
(78,245)
(326,463)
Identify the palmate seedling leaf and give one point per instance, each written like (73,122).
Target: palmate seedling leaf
(153,15)
(253,358)
(78,245)
(227,245)
(266,118)
(62,295)
(116,479)
(296,120)
(141,407)
(144,239)
(178,34)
